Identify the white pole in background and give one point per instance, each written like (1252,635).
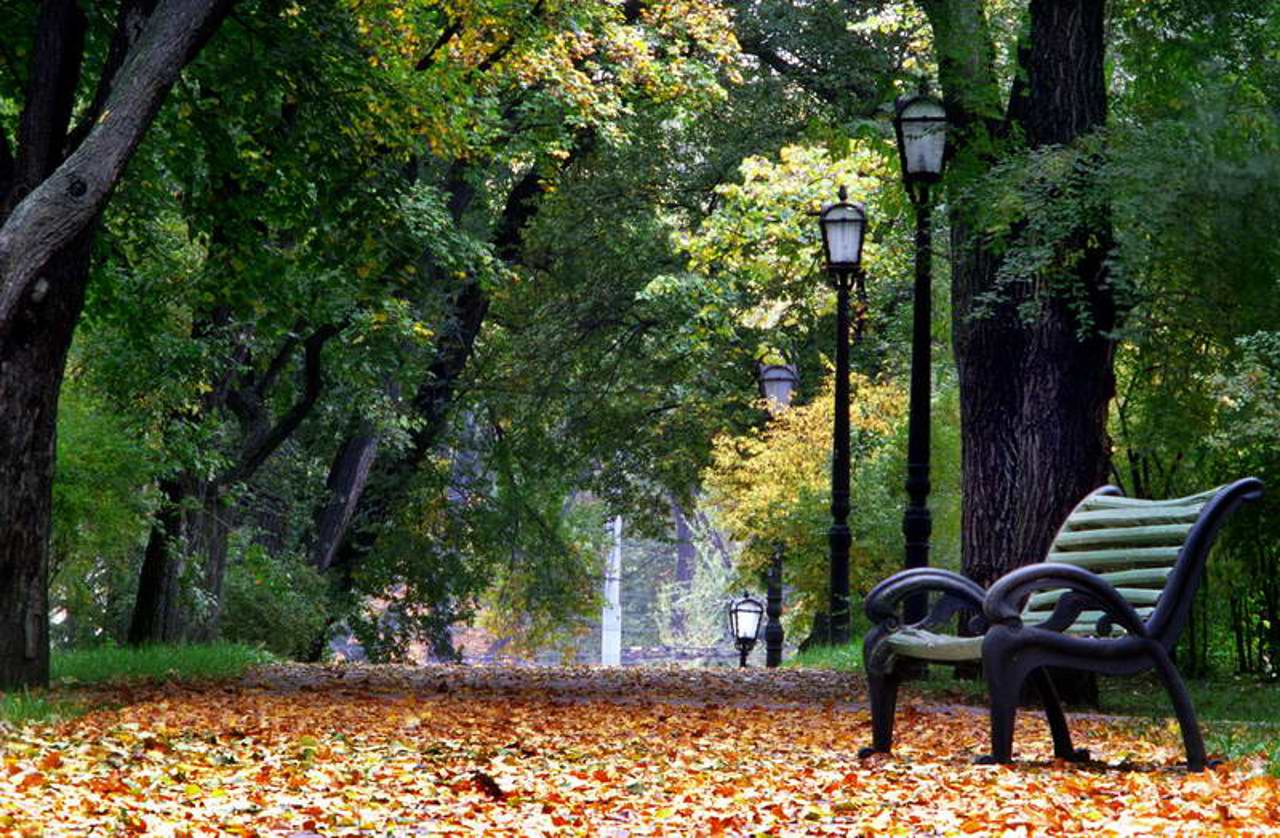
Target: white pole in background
(611,620)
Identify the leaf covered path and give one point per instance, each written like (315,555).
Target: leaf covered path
(330,751)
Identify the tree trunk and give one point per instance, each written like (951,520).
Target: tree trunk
(348,475)
(686,557)
(156,611)
(1034,392)
(32,357)
(209,530)
(51,204)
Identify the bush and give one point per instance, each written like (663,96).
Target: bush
(277,602)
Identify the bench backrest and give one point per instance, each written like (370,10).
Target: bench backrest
(1152,551)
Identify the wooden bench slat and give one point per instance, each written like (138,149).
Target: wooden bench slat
(1116,537)
(1087,622)
(1140,576)
(1104,518)
(1045,601)
(1101,558)
(1122,502)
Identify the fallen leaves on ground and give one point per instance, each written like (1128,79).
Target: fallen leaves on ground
(365,750)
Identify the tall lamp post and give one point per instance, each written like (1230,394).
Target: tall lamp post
(842,225)
(921,125)
(777,381)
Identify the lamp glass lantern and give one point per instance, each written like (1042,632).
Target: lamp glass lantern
(843,224)
(746,616)
(778,381)
(921,125)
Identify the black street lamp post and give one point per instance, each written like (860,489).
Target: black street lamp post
(773,635)
(842,226)
(921,124)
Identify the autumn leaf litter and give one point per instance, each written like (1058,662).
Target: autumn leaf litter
(347,750)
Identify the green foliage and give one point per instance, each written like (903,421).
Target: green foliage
(847,658)
(773,487)
(159,663)
(515,543)
(101,505)
(274,602)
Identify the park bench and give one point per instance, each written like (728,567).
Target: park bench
(1111,597)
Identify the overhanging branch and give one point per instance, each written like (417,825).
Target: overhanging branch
(71,198)
(262,446)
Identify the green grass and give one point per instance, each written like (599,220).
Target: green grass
(842,658)
(159,663)
(113,665)
(27,707)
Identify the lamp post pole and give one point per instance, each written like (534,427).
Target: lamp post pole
(917,522)
(842,225)
(773,635)
(838,536)
(920,123)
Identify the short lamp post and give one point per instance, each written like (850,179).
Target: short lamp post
(745,617)
(842,225)
(921,125)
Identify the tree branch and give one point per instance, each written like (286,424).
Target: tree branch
(501,52)
(277,365)
(263,445)
(446,36)
(51,90)
(130,21)
(71,198)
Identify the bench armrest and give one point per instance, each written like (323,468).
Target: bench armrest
(1004,601)
(882,602)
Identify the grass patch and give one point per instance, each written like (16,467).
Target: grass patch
(158,663)
(843,658)
(1233,698)
(110,664)
(1238,716)
(26,707)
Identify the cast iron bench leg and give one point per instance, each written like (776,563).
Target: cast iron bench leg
(1062,748)
(882,689)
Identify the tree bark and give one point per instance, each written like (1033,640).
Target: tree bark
(348,475)
(1034,392)
(32,360)
(156,616)
(68,201)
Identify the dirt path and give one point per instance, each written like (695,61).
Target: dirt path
(626,685)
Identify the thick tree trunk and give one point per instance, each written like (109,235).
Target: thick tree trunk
(1034,392)
(32,356)
(49,208)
